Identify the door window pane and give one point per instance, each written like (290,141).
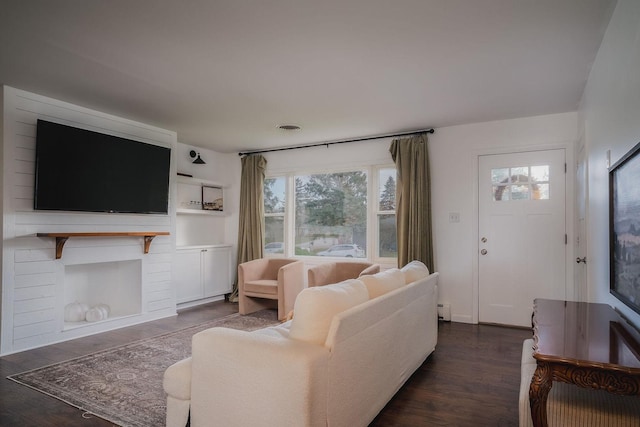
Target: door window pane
(519,174)
(500,192)
(519,192)
(500,175)
(540,191)
(540,173)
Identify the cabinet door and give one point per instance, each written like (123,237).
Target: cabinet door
(217,271)
(188,275)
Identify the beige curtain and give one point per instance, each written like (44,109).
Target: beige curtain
(251,223)
(413,200)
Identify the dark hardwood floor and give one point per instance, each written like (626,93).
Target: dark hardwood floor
(472,379)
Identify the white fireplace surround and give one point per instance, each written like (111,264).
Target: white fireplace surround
(110,270)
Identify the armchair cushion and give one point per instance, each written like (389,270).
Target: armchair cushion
(262,286)
(383,282)
(316,306)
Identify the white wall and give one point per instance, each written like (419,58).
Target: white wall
(220,168)
(454,155)
(223,169)
(610,111)
(453,159)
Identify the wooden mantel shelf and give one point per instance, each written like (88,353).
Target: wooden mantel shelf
(61,238)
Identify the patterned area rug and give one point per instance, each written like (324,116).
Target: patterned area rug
(124,384)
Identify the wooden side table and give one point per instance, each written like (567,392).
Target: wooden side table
(586,344)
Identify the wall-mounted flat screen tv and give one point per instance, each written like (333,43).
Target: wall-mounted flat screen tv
(82,170)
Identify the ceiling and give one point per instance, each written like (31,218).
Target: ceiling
(225,74)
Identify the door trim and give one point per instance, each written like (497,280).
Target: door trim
(570,156)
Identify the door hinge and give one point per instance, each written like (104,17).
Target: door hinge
(565,168)
(566,239)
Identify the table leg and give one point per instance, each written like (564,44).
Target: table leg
(538,392)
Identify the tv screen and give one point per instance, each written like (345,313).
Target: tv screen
(82,170)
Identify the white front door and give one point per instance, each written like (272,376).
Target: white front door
(522,247)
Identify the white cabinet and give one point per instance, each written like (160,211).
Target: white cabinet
(202,272)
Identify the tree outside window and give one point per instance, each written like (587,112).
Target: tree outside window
(331,210)
(274,212)
(387,246)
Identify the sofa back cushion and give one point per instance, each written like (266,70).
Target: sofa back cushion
(415,270)
(315,307)
(383,282)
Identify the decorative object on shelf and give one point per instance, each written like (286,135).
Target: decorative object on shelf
(105,307)
(75,312)
(212,198)
(97,313)
(196,158)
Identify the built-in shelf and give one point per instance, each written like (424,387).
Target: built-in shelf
(61,238)
(200,197)
(201,212)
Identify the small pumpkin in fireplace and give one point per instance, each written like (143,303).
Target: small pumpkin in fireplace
(75,312)
(97,313)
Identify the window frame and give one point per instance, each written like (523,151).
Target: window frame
(373,211)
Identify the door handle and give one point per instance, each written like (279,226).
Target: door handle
(583,259)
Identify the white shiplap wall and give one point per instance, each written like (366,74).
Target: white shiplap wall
(32,279)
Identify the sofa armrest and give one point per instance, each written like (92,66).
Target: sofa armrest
(241,378)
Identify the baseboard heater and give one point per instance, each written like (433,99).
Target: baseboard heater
(444,312)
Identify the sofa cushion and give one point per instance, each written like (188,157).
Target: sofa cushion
(383,282)
(315,307)
(415,270)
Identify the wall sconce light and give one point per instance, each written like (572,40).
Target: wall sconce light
(197,159)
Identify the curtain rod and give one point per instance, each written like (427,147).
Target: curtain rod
(344,141)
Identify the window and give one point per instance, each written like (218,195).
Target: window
(274,211)
(386,215)
(346,214)
(520,183)
(331,211)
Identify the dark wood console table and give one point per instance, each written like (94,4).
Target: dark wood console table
(586,344)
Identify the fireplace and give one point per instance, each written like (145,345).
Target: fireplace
(116,284)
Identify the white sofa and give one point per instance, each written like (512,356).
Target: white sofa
(337,363)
